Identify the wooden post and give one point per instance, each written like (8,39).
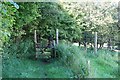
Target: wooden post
(35,40)
(95,42)
(35,37)
(53,42)
(56,36)
(85,41)
(54,48)
(89,71)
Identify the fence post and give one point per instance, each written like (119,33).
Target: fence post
(54,48)
(89,71)
(35,40)
(35,37)
(95,42)
(56,36)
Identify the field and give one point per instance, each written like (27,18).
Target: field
(104,65)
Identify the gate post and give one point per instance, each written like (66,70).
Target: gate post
(56,36)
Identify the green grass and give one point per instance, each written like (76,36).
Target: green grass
(16,64)
(72,57)
(71,63)
(104,65)
(27,68)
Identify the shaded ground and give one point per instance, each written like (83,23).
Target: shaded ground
(27,68)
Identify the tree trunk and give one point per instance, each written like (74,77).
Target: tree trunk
(109,43)
(85,45)
(79,43)
(100,46)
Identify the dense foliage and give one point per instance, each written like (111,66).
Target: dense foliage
(13,19)
(76,22)
(99,17)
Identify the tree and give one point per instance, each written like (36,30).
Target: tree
(53,17)
(91,17)
(7,20)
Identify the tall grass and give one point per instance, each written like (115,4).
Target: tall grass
(24,48)
(14,67)
(72,57)
(104,65)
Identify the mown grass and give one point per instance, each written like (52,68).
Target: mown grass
(70,63)
(105,65)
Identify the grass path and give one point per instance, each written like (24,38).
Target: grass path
(27,68)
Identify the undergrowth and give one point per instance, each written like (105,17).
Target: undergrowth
(104,65)
(16,64)
(72,57)
(23,48)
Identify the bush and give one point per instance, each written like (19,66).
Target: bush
(72,57)
(25,48)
